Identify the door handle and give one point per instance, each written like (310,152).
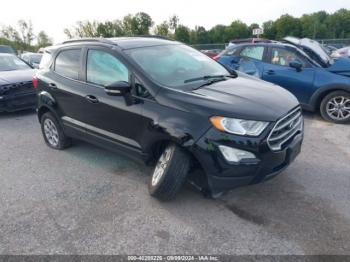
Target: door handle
(270,72)
(92,99)
(52,86)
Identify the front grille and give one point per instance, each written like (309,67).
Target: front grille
(285,129)
(17,88)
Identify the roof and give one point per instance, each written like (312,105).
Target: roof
(136,42)
(122,42)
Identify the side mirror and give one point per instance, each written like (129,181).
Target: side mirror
(120,88)
(296,64)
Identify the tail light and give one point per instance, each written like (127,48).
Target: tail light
(216,58)
(35,82)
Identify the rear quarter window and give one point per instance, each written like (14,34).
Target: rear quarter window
(45,61)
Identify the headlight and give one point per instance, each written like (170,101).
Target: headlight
(239,126)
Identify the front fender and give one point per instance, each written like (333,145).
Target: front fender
(322,91)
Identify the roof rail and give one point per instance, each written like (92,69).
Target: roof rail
(155,36)
(101,40)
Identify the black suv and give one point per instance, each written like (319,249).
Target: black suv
(169,105)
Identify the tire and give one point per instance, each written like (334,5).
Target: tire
(332,104)
(53,132)
(170,173)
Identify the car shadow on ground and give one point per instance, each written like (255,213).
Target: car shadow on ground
(17,114)
(282,207)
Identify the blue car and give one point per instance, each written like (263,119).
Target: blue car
(301,66)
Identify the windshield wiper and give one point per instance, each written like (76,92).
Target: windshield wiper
(204,78)
(210,82)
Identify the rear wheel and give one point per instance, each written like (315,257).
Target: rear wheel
(335,107)
(53,132)
(170,173)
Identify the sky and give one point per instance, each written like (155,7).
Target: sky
(54,16)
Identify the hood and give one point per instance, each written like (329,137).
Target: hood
(310,45)
(341,66)
(243,97)
(16,76)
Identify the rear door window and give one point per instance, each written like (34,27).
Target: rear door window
(255,52)
(68,63)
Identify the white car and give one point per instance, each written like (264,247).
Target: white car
(32,58)
(342,52)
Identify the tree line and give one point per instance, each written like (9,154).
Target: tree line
(21,36)
(319,25)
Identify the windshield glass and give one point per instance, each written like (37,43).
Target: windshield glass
(11,62)
(6,49)
(175,65)
(36,58)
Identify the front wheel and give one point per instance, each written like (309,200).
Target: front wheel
(335,107)
(170,173)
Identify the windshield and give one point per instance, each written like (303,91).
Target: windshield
(175,65)
(36,58)
(11,62)
(6,49)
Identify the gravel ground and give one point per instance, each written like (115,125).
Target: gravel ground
(86,200)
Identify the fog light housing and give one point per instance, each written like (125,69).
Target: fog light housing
(234,155)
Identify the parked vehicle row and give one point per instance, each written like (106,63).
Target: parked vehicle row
(32,58)
(16,87)
(342,52)
(171,106)
(301,66)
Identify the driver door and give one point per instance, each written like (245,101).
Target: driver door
(278,71)
(108,117)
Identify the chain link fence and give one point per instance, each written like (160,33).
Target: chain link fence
(210,46)
(338,43)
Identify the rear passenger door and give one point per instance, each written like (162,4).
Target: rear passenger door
(65,84)
(251,60)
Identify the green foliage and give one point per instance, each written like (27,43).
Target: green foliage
(162,29)
(319,25)
(287,25)
(22,37)
(182,34)
(316,25)
(43,39)
(138,24)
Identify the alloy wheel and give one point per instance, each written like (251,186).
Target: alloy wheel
(161,166)
(338,108)
(51,132)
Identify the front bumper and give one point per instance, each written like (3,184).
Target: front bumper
(15,102)
(223,176)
